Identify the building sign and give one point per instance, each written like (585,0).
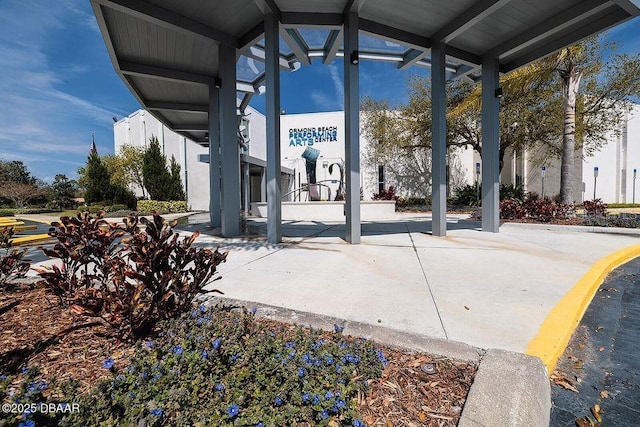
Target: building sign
(301,137)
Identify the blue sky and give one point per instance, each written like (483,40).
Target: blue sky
(57,84)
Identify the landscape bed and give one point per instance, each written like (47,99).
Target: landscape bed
(214,366)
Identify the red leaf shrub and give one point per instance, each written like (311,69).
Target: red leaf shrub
(595,207)
(130,278)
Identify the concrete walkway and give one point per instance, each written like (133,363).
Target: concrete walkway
(487,290)
(483,289)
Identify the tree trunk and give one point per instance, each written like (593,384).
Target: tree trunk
(570,85)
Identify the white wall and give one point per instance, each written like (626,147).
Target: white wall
(615,162)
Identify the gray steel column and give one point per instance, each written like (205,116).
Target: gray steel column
(490,146)
(247,190)
(229,151)
(352,128)
(263,185)
(438,140)
(214,157)
(272,80)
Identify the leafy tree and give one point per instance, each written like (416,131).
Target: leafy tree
(177,191)
(63,191)
(568,101)
(126,167)
(157,178)
(19,193)
(96,179)
(607,88)
(15,171)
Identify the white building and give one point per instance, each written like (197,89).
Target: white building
(322,136)
(615,162)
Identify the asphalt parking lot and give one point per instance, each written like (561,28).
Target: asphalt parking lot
(602,360)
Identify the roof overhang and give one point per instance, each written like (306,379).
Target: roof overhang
(166,52)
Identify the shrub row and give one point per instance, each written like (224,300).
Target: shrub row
(595,207)
(533,207)
(388,194)
(7,212)
(623,220)
(12,262)
(146,207)
(130,278)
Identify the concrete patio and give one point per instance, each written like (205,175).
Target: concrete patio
(483,289)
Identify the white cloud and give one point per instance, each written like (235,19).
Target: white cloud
(338,84)
(43,123)
(322,100)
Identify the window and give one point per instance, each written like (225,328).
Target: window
(381,178)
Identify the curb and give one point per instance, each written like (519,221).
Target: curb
(556,330)
(509,390)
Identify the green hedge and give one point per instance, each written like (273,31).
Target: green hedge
(7,212)
(146,207)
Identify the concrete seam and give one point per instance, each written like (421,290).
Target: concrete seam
(557,328)
(424,274)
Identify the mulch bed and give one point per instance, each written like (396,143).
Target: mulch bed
(415,389)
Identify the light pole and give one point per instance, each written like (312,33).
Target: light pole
(595,181)
(478,181)
(544,169)
(634,185)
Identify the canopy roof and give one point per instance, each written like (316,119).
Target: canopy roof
(166,51)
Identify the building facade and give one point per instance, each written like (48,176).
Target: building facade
(607,174)
(313,157)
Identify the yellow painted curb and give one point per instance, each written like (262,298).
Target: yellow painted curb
(28,239)
(556,330)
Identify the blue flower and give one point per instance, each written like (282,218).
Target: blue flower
(290,344)
(194,313)
(381,357)
(358,423)
(156,412)
(351,359)
(318,344)
(108,364)
(259,425)
(235,357)
(178,349)
(328,396)
(338,328)
(301,372)
(278,401)
(338,368)
(25,370)
(233,411)
(340,404)
(253,311)
(329,360)
(203,308)
(204,354)
(219,387)
(306,397)
(3,377)
(216,344)
(29,423)
(307,358)
(316,399)
(149,344)
(324,414)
